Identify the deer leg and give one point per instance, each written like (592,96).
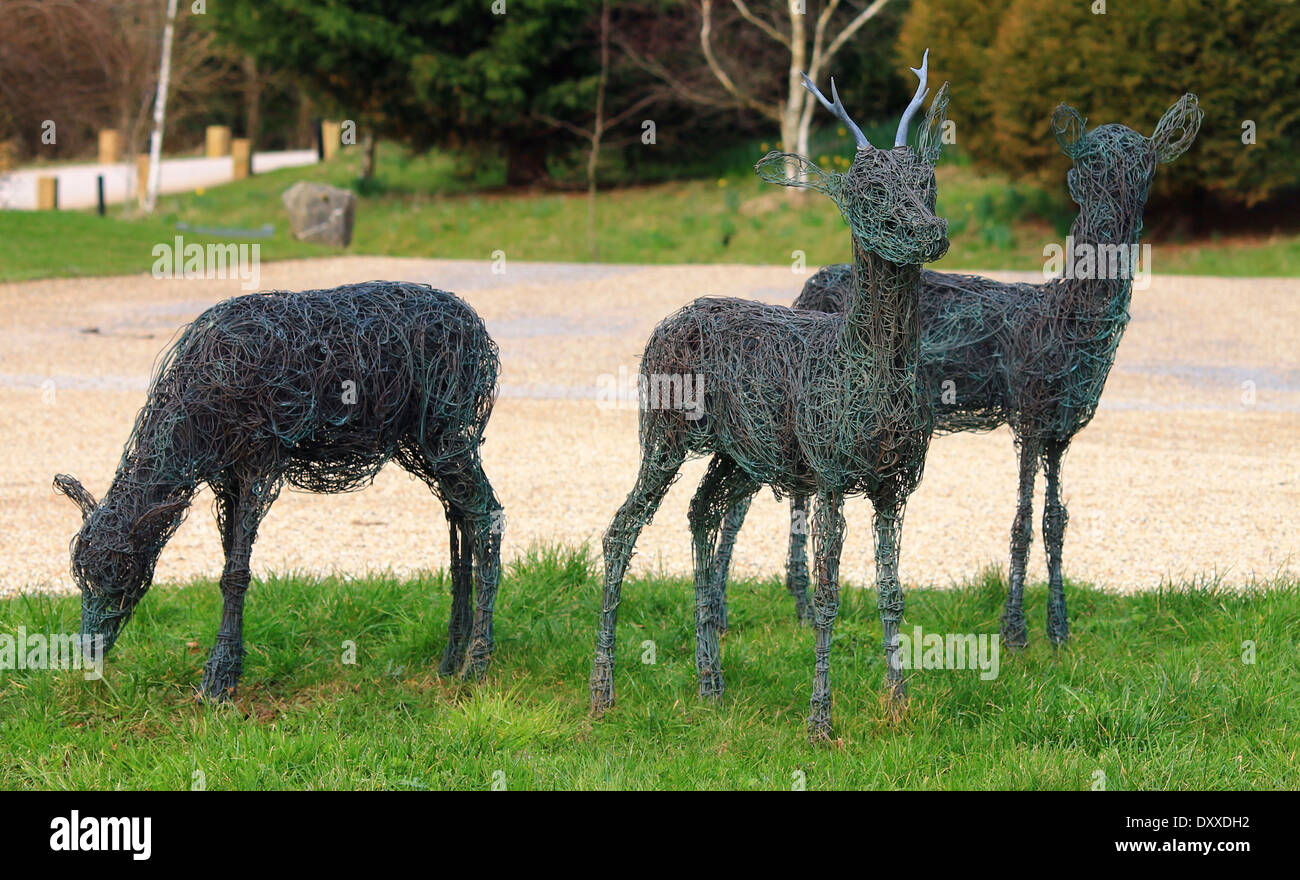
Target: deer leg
(1054,521)
(889,595)
(470,500)
(828,541)
(659,466)
(238,513)
(462,590)
(1014,632)
(224,507)
(723,489)
(731,524)
(796,565)
(704,519)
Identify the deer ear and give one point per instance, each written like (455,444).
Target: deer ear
(773,169)
(1177,128)
(1068,126)
(930,140)
(71,486)
(157,522)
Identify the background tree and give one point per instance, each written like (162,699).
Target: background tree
(962,35)
(1018,59)
(447,72)
(602,120)
(767,81)
(91,64)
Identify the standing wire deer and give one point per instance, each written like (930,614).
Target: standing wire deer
(810,403)
(1031,356)
(320,389)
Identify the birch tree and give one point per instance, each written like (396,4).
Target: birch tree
(810,50)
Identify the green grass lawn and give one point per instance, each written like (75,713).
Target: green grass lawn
(1152,692)
(431,206)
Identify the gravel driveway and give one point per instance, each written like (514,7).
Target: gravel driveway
(1190,468)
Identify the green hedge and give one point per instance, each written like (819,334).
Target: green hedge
(1012,61)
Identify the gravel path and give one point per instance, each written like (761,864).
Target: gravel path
(1182,473)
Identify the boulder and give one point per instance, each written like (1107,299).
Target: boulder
(320,213)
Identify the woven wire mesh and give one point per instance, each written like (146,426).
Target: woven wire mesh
(1031,356)
(318,389)
(808,403)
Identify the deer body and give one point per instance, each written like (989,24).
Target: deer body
(318,389)
(1034,357)
(782,417)
(824,404)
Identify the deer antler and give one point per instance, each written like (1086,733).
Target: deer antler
(837,108)
(900,139)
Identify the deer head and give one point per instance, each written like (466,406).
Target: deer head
(886,196)
(1114,160)
(114,552)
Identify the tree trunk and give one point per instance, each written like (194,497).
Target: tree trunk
(306,131)
(597,130)
(252,99)
(805,126)
(794,99)
(525,162)
(160,112)
(368,156)
(789,143)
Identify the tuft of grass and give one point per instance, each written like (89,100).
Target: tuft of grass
(1153,691)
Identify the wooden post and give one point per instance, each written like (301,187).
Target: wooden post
(110,146)
(216,141)
(241,157)
(47,193)
(331,134)
(141,174)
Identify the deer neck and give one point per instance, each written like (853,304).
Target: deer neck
(882,332)
(1105,224)
(142,481)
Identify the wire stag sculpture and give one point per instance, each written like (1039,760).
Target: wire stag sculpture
(318,388)
(1031,356)
(809,403)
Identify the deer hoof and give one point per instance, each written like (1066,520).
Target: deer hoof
(1015,634)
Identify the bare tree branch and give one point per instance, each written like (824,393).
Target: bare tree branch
(852,28)
(674,83)
(706,43)
(762,25)
(631,110)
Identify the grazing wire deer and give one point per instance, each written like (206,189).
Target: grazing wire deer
(809,403)
(1031,356)
(319,388)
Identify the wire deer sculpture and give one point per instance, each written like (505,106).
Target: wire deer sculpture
(1031,356)
(320,389)
(809,403)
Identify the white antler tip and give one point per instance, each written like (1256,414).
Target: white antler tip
(922,75)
